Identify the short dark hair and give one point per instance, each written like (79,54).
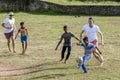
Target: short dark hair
(65,27)
(85,38)
(91,18)
(21,23)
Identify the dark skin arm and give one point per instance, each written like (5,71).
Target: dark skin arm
(76,38)
(58,44)
(27,31)
(81,35)
(17,33)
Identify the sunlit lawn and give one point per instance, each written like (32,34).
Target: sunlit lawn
(44,33)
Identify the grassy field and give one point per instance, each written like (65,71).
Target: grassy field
(66,2)
(40,61)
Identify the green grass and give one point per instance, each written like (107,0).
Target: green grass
(44,33)
(66,2)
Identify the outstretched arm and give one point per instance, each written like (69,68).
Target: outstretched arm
(58,44)
(76,38)
(17,33)
(81,35)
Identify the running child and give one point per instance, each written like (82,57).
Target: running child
(67,43)
(89,49)
(24,36)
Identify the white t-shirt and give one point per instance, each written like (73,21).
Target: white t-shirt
(91,32)
(9,23)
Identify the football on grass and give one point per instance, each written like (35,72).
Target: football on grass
(79,59)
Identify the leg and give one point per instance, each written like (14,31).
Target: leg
(85,58)
(68,54)
(98,56)
(13,44)
(63,52)
(25,46)
(84,68)
(8,44)
(26,40)
(7,35)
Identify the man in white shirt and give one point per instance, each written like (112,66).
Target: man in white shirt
(9,27)
(91,31)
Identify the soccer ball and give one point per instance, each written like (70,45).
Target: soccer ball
(79,59)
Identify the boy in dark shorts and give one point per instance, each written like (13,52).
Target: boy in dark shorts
(67,43)
(24,36)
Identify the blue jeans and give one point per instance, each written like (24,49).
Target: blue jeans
(68,52)
(85,58)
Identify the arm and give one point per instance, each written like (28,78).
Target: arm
(17,33)
(101,35)
(27,31)
(81,35)
(14,27)
(58,44)
(98,50)
(3,25)
(76,38)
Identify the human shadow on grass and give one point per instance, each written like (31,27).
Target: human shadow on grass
(46,77)
(32,67)
(51,76)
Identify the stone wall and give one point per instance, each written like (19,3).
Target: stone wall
(72,9)
(16,5)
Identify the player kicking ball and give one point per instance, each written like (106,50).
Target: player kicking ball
(89,49)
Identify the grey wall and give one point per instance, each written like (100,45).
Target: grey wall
(73,9)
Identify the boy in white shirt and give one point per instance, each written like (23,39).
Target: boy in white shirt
(91,31)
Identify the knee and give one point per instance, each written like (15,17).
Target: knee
(8,41)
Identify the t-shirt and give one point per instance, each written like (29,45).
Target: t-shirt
(9,23)
(91,32)
(88,48)
(67,38)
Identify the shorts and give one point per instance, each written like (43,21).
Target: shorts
(24,38)
(8,35)
(95,42)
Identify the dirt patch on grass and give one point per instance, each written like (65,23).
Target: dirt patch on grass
(13,70)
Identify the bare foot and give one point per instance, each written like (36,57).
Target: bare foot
(60,60)
(14,51)
(23,52)
(65,62)
(9,50)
